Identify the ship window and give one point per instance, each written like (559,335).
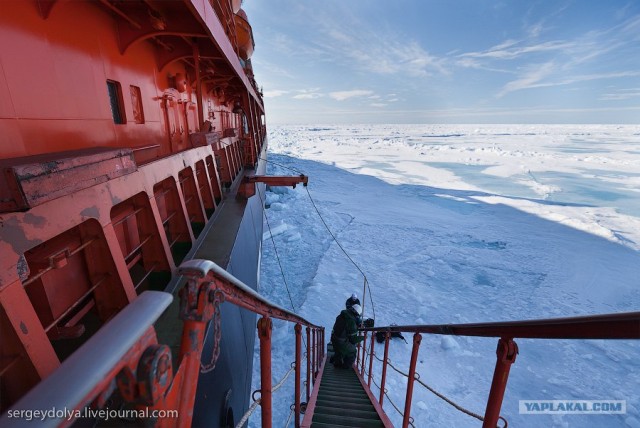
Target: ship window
(115,99)
(136,102)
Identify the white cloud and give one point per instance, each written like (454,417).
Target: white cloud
(371,49)
(308,94)
(533,78)
(478,65)
(378,104)
(529,79)
(273,69)
(510,50)
(621,94)
(535,30)
(275,93)
(344,95)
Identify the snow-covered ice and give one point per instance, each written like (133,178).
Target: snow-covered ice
(462,223)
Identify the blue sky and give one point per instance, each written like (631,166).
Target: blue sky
(447,61)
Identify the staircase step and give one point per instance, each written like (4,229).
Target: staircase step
(342,381)
(322,425)
(343,399)
(341,411)
(363,405)
(347,398)
(339,390)
(338,394)
(348,421)
(338,387)
(342,373)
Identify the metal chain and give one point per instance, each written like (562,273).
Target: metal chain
(218,297)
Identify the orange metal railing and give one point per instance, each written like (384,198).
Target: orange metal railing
(125,355)
(206,275)
(610,326)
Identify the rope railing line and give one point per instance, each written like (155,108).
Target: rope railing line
(275,249)
(394,405)
(398,410)
(432,390)
(281,165)
(248,413)
(256,403)
(284,378)
(366,280)
(376,384)
(289,419)
(447,400)
(391,365)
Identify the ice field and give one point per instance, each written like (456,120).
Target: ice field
(464,223)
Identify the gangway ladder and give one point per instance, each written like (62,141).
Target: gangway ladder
(340,399)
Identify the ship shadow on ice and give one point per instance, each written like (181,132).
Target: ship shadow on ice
(477,234)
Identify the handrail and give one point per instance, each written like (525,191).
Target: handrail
(207,286)
(605,326)
(81,376)
(238,292)
(124,355)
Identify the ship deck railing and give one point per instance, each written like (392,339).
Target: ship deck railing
(606,326)
(124,357)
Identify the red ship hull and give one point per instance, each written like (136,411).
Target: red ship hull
(125,130)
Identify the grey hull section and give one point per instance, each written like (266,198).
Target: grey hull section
(233,241)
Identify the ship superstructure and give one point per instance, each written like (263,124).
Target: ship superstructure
(126,128)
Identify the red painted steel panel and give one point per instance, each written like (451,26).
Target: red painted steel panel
(11,140)
(42,178)
(54,75)
(6,105)
(26,59)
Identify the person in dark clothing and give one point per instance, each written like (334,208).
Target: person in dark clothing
(344,337)
(353,300)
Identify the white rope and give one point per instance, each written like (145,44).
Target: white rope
(256,403)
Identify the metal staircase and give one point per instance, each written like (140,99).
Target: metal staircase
(339,400)
(343,402)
